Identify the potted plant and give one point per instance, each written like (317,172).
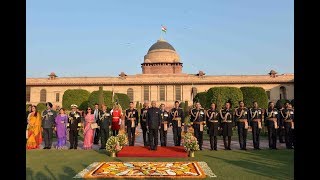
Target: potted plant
(190,143)
(113,146)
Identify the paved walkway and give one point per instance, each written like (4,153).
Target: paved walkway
(264,144)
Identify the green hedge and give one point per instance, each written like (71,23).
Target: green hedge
(280,103)
(74,96)
(94,98)
(220,95)
(251,94)
(202,98)
(41,107)
(84,105)
(123,100)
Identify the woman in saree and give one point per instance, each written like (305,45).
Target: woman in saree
(88,131)
(34,129)
(61,123)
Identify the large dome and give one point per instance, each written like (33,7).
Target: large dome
(161,44)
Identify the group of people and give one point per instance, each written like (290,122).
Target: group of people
(97,123)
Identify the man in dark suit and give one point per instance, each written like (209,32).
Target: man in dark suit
(153,125)
(96,120)
(105,125)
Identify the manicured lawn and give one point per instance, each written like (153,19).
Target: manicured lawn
(235,164)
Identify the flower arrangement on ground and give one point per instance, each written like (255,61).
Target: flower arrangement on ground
(123,139)
(190,143)
(113,146)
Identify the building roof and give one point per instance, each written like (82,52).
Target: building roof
(161,44)
(150,79)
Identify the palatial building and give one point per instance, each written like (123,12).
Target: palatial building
(162,79)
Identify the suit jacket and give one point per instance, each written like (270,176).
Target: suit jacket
(96,118)
(73,120)
(153,118)
(133,114)
(104,119)
(48,118)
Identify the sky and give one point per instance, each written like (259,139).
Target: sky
(104,37)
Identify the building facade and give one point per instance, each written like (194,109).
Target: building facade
(162,79)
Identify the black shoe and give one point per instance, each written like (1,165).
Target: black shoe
(48,147)
(200,148)
(215,149)
(101,148)
(75,148)
(258,149)
(70,147)
(45,148)
(244,149)
(225,148)
(229,148)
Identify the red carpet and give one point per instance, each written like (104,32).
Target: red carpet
(140,151)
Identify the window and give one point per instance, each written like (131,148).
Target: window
(162,90)
(178,93)
(57,97)
(283,92)
(130,93)
(43,95)
(28,89)
(194,92)
(146,93)
(268,94)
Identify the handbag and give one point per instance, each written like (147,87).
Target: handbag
(94,125)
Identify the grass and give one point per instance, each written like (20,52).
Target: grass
(235,164)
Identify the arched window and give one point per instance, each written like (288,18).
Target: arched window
(178,93)
(28,93)
(283,92)
(162,90)
(130,93)
(194,92)
(146,93)
(43,95)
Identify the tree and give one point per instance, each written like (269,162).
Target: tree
(41,107)
(220,95)
(251,94)
(101,100)
(74,96)
(123,100)
(94,98)
(202,98)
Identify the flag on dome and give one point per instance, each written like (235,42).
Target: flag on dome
(163,28)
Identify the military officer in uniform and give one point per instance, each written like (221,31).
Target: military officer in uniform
(131,123)
(164,125)
(48,123)
(241,118)
(143,123)
(74,124)
(153,125)
(105,125)
(177,120)
(256,117)
(287,118)
(212,121)
(272,122)
(198,122)
(226,122)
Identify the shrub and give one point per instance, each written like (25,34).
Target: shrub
(107,98)
(280,103)
(84,105)
(123,100)
(74,96)
(251,94)
(41,107)
(220,95)
(202,98)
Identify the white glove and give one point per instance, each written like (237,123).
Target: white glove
(119,121)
